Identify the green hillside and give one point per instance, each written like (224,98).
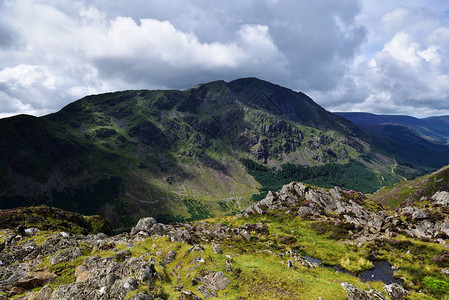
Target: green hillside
(184,155)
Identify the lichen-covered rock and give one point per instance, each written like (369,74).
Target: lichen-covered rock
(354,293)
(44,293)
(65,255)
(57,243)
(441,198)
(169,257)
(144,225)
(214,280)
(245,234)
(396,292)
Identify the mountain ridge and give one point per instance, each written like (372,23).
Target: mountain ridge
(177,155)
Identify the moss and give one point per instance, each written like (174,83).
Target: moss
(436,286)
(144,289)
(65,272)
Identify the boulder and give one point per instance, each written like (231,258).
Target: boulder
(441,198)
(354,293)
(66,255)
(169,257)
(44,293)
(245,234)
(143,225)
(396,292)
(419,214)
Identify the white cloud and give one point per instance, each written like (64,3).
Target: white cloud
(407,74)
(52,52)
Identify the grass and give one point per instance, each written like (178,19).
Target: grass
(260,268)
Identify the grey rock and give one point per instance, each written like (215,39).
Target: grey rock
(245,234)
(207,292)
(445,272)
(44,293)
(441,198)
(55,244)
(228,266)
(197,259)
(307,210)
(66,255)
(169,257)
(195,248)
(31,231)
(142,296)
(144,225)
(407,210)
(217,249)
(419,214)
(121,255)
(188,295)
(395,291)
(75,291)
(214,280)
(290,264)
(354,293)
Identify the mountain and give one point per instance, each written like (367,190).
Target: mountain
(300,242)
(433,129)
(438,124)
(184,155)
(409,139)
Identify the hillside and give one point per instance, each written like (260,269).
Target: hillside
(301,242)
(434,130)
(186,155)
(414,191)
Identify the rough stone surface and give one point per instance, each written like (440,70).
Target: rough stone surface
(169,257)
(144,225)
(214,280)
(354,293)
(65,255)
(395,291)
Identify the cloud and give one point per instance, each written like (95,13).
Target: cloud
(408,75)
(53,52)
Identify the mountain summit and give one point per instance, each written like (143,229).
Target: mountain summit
(183,155)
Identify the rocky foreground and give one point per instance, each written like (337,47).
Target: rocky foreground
(427,220)
(258,255)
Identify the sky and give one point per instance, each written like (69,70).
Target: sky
(378,56)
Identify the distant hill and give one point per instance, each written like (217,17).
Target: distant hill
(434,129)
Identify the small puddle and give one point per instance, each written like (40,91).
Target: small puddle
(312,259)
(381,271)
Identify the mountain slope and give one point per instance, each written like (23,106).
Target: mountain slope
(421,142)
(438,124)
(433,129)
(413,191)
(178,155)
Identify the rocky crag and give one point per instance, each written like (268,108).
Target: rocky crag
(263,253)
(363,219)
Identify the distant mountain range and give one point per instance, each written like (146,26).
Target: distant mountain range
(205,151)
(435,129)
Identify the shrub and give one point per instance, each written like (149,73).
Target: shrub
(435,286)
(442,260)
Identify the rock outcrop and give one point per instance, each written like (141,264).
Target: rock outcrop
(352,211)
